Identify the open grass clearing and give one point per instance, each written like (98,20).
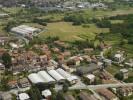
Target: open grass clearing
(67,32)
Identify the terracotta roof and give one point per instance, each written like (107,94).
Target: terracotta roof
(106,93)
(69,97)
(85,96)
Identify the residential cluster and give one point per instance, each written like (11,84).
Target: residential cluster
(48,67)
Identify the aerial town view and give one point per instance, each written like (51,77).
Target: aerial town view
(66,49)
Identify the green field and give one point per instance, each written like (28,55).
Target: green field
(67,32)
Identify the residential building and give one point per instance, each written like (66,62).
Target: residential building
(69,97)
(23,82)
(129,63)
(106,94)
(91,78)
(5,96)
(85,70)
(23,96)
(13,84)
(107,62)
(47,94)
(125,91)
(119,58)
(2,67)
(124,73)
(86,96)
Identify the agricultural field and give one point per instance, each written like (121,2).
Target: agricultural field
(107,12)
(67,32)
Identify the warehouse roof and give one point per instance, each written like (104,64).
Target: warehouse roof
(35,78)
(66,75)
(84,70)
(72,78)
(69,97)
(46,76)
(24,29)
(55,75)
(63,73)
(90,76)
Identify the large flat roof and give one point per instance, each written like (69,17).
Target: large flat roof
(35,78)
(24,29)
(56,75)
(46,76)
(63,73)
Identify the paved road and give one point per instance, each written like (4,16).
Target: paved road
(15,91)
(94,87)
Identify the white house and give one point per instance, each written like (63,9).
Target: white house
(2,67)
(23,96)
(91,77)
(119,58)
(46,93)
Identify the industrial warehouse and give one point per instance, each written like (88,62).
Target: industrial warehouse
(52,77)
(71,78)
(25,31)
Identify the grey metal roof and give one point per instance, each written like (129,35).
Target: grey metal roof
(84,70)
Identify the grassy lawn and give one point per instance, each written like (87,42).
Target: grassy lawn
(113,39)
(67,32)
(107,13)
(53,16)
(113,69)
(12,10)
(116,21)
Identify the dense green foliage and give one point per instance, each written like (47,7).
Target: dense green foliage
(3,84)
(7,60)
(129,80)
(119,76)
(77,18)
(125,28)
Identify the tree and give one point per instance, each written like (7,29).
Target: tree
(10,24)
(96,43)
(35,93)
(60,96)
(3,85)
(7,60)
(65,87)
(53,97)
(123,41)
(119,76)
